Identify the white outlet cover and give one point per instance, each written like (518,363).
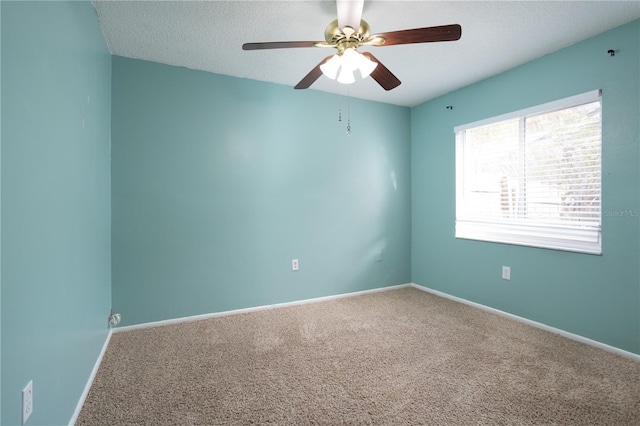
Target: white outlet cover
(27,401)
(294,265)
(506,273)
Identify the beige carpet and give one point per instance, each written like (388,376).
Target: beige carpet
(399,357)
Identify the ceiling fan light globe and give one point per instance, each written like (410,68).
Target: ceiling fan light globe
(346,76)
(350,59)
(330,68)
(366,66)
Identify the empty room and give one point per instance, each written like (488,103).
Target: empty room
(319,212)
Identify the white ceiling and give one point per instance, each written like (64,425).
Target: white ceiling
(496,36)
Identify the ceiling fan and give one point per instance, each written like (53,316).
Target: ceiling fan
(347,34)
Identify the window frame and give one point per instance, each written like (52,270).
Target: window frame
(581,239)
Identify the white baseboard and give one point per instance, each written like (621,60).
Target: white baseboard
(254,309)
(536,324)
(92,376)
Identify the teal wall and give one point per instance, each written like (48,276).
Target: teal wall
(593,296)
(215,183)
(55,204)
(219,182)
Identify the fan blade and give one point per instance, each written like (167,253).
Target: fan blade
(382,75)
(313,75)
(280,45)
(421,35)
(349,13)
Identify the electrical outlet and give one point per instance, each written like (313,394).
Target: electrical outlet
(294,265)
(27,401)
(506,273)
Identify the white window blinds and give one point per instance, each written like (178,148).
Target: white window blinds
(533,177)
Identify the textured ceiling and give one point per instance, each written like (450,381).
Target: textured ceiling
(496,36)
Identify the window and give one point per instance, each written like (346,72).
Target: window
(533,177)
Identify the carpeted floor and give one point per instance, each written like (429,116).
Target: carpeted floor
(399,357)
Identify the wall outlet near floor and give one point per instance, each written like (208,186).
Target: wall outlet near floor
(294,265)
(27,401)
(506,273)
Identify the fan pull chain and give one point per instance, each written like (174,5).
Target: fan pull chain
(348,113)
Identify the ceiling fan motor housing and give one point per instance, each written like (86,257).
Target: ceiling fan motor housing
(346,37)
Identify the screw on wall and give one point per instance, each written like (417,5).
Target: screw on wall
(611,52)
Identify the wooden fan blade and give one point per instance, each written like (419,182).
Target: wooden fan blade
(382,75)
(313,75)
(422,35)
(280,45)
